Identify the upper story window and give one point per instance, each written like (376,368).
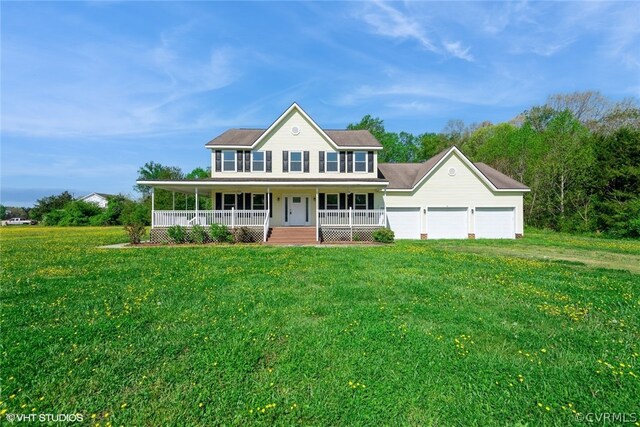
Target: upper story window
(295,161)
(331,164)
(359,161)
(257,162)
(360,201)
(229,161)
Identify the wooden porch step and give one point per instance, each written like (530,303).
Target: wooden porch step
(292,235)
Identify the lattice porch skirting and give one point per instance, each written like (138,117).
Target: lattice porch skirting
(343,234)
(160,235)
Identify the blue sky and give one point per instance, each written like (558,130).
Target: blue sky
(92,91)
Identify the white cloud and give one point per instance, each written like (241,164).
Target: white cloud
(390,22)
(457,50)
(111,86)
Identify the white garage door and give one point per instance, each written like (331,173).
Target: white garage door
(447,223)
(495,223)
(405,222)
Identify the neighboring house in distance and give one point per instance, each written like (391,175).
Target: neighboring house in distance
(295,181)
(100,199)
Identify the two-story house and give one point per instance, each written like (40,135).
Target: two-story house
(295,181)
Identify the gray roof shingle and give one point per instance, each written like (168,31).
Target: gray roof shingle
(246,138)
(405,176)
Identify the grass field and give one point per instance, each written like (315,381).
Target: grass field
(532,332)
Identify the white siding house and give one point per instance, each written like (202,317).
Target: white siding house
(296,175)
(100,199)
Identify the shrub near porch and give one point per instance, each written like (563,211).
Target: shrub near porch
(412,333)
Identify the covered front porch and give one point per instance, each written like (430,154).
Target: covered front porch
(334,212)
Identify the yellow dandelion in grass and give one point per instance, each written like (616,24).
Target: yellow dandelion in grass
(539,405)
(200,405)
(547,408)
(3,411)
(124,405)
(12,396)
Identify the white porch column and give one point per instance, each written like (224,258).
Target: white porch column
(384,201)
(233,217)
(197,217)
(317,215)
(153,206)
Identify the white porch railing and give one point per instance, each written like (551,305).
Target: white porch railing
(231,218)
(352,218)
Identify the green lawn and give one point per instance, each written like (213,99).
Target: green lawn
(415,333)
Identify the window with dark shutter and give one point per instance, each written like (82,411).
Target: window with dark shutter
(247,201)
(370,161)
(268,161)
(321,201)
(349,161)
(239,202)
(247,161)
(321,166)
(306,161)
(285,161)
(350,200)
(218,201)
(342,162)
(370,201)
(343,201)
(270,205)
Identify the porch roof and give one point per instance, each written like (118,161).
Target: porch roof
(189,185)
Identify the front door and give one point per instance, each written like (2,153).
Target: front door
(296,210)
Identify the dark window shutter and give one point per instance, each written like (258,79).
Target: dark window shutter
(285,161)
(306,161)
(268,166)
(321,201)
(350,200)
(370,162)
(321,167)
(370,201)
(349,161)
(239,161)
(239,200)
(247,161)
(218,201)
(343,201)
(270,205)
(286,209)
(342,156)
(218,161)
(247,201)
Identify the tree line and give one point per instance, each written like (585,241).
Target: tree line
(579,153)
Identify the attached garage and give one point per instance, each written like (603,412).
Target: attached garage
(405,222)
(447,223)
(495,223)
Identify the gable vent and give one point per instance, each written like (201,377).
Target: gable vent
(452,171)
(295,130)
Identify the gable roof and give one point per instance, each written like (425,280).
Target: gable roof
(406,176)
(103,195)
(338,138)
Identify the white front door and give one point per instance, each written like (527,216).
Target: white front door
(296,210)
